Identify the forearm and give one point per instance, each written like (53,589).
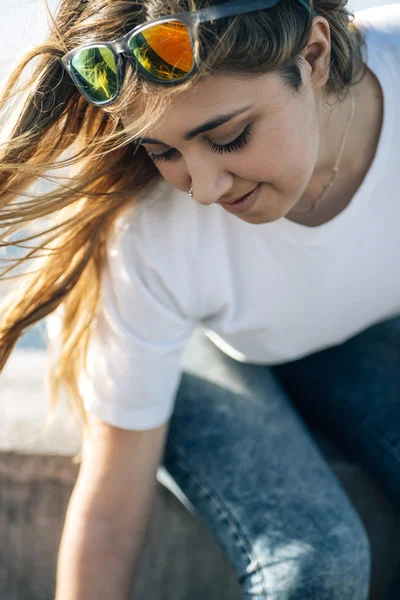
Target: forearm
(97,561)
(109,513)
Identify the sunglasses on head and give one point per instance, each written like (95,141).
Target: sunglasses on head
(162,50)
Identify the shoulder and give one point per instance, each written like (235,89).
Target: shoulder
(164,218)
(380,25)
(167,242)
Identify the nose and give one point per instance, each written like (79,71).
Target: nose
(209,183)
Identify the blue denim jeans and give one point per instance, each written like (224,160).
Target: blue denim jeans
(241,450)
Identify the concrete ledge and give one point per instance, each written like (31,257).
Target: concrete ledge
(181,560)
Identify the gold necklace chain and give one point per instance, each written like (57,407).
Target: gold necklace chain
(311,207)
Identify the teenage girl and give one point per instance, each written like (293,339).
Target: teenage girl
(229,167)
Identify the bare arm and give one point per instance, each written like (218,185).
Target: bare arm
(109,512)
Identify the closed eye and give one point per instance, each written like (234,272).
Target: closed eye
(158,158)
(235,145)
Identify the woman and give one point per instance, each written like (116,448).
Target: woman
(278,117)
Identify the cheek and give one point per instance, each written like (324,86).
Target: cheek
(292,154)
(175,173)
(301,154)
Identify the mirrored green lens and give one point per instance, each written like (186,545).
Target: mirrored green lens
(96,71)
(164,50)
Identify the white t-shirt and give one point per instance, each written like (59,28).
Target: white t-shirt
(264,294)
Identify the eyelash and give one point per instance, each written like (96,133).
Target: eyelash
(237,144)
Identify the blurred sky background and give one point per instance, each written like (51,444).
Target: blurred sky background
(23,24)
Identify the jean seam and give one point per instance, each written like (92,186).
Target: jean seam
(236,529)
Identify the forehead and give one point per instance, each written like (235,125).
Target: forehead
(218,94)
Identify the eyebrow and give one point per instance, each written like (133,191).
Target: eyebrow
(212,124)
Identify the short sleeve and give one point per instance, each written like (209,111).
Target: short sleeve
(138,337)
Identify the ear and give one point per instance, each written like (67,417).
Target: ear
(317,54)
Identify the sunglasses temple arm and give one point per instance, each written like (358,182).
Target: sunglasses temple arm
(240,7)
(308,7)
(235,8)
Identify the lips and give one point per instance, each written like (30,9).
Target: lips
(243,204)
(237,199)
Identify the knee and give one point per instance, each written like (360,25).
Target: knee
(331,566)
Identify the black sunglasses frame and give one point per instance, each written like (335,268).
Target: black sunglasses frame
(192,20)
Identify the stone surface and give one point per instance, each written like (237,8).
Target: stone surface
(181,560)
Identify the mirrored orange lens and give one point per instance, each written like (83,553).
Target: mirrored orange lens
(164,50)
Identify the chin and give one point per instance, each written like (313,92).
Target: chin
(260,218)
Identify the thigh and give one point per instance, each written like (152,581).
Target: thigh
(352,393)
(242,456)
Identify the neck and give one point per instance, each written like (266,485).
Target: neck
(357,156)
(336,120)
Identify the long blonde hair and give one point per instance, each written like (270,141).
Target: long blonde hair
(56,136)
